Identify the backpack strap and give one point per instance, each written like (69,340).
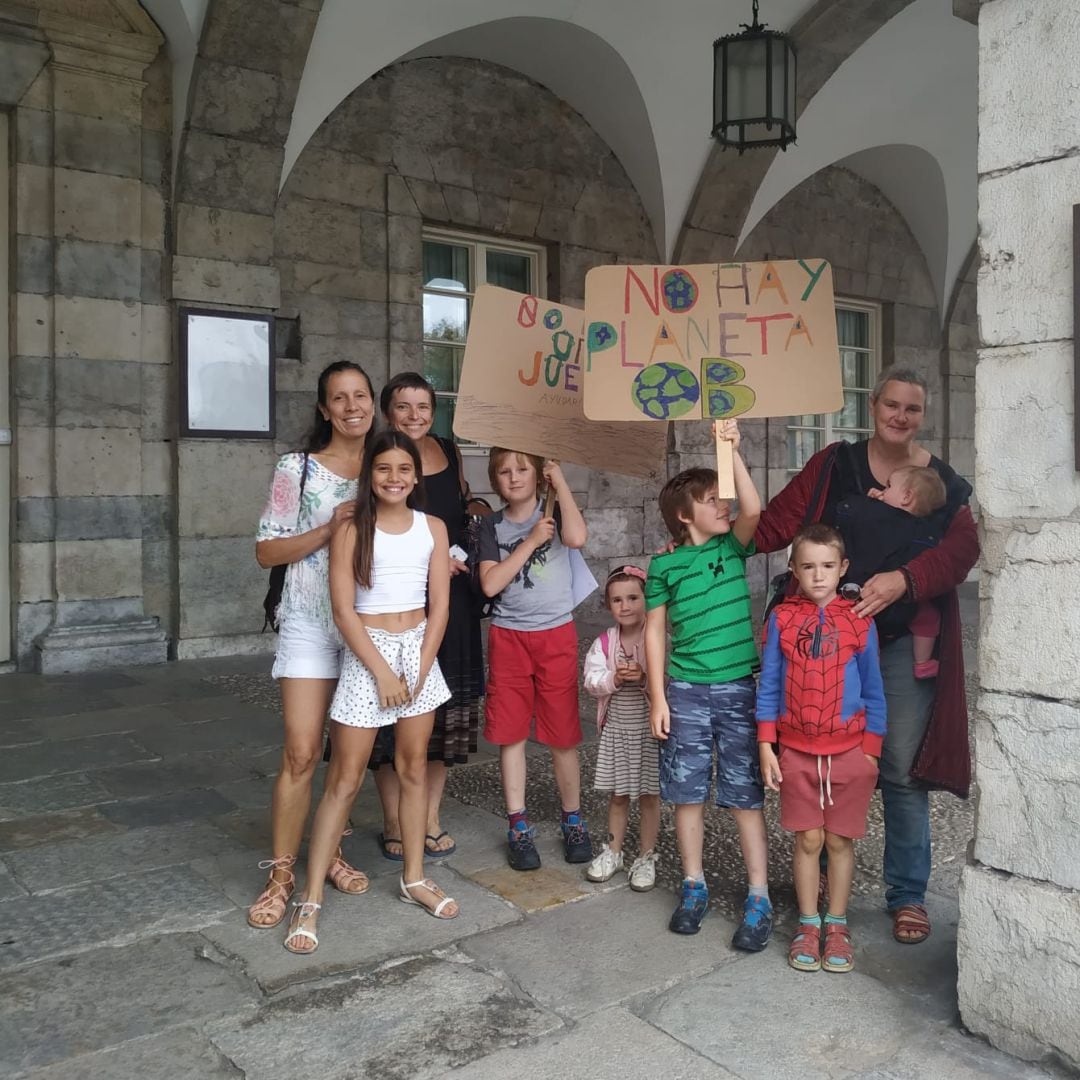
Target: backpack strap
(605,643)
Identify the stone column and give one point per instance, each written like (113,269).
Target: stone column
(80,350)
(1019,936)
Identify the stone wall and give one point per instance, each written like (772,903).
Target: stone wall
(91,335)
(834,215)
(450,142)
(1019,936)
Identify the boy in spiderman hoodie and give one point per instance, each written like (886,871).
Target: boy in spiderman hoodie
(822,697)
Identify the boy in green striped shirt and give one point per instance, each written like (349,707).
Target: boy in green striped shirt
(709,695)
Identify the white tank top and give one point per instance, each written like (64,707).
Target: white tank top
(399,570)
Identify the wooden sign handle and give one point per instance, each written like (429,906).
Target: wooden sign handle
(725,466)
(549,502)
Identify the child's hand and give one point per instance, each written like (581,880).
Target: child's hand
(660,720)
(392,688)
(873,760)
(770,767)
(553,476)
(729,430)
(342,513)
(631,673)
(542,532)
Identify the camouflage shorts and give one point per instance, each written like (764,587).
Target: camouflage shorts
(701,716)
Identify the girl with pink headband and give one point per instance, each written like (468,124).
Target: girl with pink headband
(628,758)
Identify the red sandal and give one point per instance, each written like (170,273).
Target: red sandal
(804,953)
(912,921)
(837,954)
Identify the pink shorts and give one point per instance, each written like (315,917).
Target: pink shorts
(532,672)
(827,791)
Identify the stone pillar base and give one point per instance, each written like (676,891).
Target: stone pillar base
(103,645)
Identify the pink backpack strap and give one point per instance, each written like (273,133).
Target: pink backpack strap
(605,643)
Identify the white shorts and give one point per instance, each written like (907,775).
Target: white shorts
(356,701)
(308,650)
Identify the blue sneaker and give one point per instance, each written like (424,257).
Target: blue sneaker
(756,928)
(577,846)
(522,854)
(686,919)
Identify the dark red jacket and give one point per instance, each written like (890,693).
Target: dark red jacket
(944,760)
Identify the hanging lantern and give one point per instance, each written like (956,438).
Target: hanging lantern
(754,88)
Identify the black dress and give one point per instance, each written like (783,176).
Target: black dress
(461,657)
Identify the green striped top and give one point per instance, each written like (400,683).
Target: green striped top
(708,605)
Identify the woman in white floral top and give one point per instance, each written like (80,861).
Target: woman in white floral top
(302,514)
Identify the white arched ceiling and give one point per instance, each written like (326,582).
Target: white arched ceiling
(181,22)
(660,133)
(902,111)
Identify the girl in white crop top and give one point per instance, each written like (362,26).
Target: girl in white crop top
(386,566)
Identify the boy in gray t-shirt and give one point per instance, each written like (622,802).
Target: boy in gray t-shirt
(532,644)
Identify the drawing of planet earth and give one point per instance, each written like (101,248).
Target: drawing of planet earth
(665,391)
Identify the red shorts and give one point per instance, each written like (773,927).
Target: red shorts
(809,781)
(532,671)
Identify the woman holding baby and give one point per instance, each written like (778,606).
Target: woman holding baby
(926,743)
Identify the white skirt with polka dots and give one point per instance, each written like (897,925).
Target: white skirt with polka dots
(356,700)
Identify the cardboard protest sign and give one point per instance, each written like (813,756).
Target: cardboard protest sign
(711,341)
(520,387)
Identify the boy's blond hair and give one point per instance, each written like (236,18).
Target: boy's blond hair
(925,484)
(498,454)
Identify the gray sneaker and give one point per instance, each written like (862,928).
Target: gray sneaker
(643,872)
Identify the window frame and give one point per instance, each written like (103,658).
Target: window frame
(828,429)
(478,244)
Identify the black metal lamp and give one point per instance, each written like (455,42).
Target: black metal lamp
(754,88)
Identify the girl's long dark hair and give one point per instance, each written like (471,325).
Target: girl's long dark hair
(318,435)
(365,498)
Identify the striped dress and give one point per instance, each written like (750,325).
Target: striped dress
(628,760)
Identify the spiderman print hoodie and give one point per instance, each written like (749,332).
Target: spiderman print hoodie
(820,689)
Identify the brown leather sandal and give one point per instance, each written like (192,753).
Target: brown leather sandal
(273,901)
(912,921)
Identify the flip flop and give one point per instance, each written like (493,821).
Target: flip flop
(393,856)
(437,852)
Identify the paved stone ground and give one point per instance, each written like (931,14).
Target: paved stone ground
(133,809)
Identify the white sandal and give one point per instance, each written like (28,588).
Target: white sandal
(427,883)
(305,909)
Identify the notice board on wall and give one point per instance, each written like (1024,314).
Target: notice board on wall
(710,341)
(521,387)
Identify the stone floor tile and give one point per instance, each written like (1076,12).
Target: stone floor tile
(248,793)
(60,1009)
(102,722)
(119,911)
(179,806)
(29,832)
(182,686)
(608,1044)
(805,1025)
(178,738)
(617,946)
(204,769)
(18,732)
(358,932)
(59,866)
(182,1054)
(42,796)
(223,707)
(55,703)
(952,1055)
(9,887)
(70,755)
(926,972)
(416,1020)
